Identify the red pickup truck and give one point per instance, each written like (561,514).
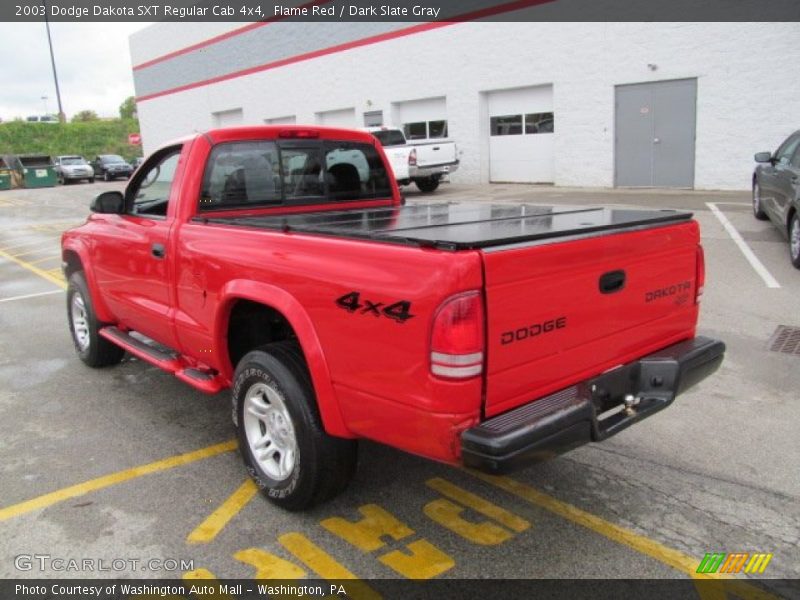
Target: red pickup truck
(281,262)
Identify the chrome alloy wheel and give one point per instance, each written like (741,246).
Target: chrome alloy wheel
(80,322)
(794,239)
(269,431)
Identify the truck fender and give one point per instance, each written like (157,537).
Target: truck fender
(283,302)
(75,246)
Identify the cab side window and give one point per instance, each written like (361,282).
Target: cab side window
(150,191)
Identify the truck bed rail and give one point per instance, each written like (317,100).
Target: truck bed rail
(459,226)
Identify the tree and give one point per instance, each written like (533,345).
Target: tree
(127,110)
(84,116)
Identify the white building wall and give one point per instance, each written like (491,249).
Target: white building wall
(744,102)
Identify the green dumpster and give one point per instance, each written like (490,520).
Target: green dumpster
(38,170)
(5,175)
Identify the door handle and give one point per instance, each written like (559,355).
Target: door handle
(611,282)
(158,250)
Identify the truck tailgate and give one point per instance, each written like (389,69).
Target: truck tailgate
(398,160)
(431,154)
(559,313)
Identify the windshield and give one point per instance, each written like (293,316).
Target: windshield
(73,160)
(390,137)
(112,158)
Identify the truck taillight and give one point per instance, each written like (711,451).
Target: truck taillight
(700,275)
(457,337)
(412,158)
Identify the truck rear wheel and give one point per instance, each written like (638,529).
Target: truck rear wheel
(284,446)
(92,349)
(427,184)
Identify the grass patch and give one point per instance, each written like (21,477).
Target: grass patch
(88,139)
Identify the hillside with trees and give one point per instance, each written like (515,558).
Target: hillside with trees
(86,134)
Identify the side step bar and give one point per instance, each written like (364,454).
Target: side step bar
(168,361)
(205,382)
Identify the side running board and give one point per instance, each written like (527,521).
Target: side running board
(164,359)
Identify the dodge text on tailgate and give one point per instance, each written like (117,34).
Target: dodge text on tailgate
(280,262)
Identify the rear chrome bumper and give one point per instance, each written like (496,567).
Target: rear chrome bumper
(431,170)
(590,411)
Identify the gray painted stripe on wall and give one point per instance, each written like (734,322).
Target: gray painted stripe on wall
(253,48)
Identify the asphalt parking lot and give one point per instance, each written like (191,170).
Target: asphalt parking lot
(129,463)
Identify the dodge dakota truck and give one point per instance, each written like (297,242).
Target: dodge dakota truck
(280,262)
(423,162)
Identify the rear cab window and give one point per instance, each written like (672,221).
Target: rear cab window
(254,174)
(390,137)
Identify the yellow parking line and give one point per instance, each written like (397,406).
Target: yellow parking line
(478,504)
(34,269)
(669,556)
(100,483)
(216,521)
(46,258)
(324,565)
(31,243)
(36,251)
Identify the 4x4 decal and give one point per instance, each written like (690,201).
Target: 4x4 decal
(399,311)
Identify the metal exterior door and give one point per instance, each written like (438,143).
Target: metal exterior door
(655,134)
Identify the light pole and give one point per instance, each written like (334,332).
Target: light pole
(61,115)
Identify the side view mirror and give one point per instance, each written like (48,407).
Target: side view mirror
(112,203)
(763,157)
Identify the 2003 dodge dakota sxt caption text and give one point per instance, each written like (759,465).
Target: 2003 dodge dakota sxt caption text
(283,263)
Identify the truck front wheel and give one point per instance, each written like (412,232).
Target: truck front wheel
(94,350)
(284,446)
(427,184)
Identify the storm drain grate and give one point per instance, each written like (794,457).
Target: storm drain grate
(785,340)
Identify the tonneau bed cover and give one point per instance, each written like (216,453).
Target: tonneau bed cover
(460,225)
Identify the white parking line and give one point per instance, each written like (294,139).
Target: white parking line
(757,265)
(31,295)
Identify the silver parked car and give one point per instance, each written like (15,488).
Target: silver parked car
(73,168)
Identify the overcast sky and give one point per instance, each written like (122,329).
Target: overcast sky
(93,62)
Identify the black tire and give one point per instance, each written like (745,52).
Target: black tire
(60,180)
(99,352)
(90,180)
(323,465)
(758,210)
(427,184)
(794,240)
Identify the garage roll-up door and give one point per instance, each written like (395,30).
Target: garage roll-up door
(521,128)
(421,119)
(345,117)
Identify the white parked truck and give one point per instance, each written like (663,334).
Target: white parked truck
(423,162)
